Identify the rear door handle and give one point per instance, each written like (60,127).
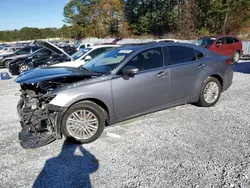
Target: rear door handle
(201,66)
(161,74)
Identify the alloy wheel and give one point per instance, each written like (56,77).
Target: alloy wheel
(211,92)
(82,124)
(236,57)
(24,68)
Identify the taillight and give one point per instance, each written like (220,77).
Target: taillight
(229,61)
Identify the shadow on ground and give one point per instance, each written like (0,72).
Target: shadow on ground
(242,67)
(71,168)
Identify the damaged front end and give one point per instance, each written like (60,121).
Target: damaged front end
(38,118)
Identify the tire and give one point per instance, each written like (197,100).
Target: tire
(203,101)
(79,108)
(236,57)
(5,64)
(23,67)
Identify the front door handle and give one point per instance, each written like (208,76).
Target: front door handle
(161,74)
(201,66)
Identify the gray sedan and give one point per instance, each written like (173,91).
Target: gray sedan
(117,85)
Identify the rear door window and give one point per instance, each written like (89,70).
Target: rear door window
(229,40)
(180,54)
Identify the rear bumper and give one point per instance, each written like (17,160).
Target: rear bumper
(228,79)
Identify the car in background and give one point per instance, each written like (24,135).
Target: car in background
(166,40)
(227,45)
(114,42)
(6,50)
(67,48)
(119,84)
(84,55)
(23,52)
(49,54)
(85,45)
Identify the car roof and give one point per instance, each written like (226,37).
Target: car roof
(162,40)
(217,36)
(101,46)
(141,46)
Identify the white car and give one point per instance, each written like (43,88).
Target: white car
(85,45)
(6,50)
(84,55)
(166,40)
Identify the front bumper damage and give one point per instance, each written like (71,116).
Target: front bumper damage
(40,127)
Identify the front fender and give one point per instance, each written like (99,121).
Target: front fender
(100,91)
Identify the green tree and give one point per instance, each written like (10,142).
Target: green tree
(222,11)
(155,17)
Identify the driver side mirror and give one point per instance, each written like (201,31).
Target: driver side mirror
(129,70)
(87,58)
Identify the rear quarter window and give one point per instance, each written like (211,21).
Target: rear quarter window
(199,55)
(235,40)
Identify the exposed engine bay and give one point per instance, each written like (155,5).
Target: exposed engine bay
(38,118)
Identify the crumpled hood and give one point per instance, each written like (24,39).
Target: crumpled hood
(48,73)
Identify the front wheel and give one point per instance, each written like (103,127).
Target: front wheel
(84,122)
(6,63)
(210,92)
(23,68)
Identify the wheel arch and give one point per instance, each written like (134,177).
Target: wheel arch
(219,78)
(100,103)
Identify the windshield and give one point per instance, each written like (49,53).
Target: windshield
(205,41)
(106,62)
(36,52)
(80,53)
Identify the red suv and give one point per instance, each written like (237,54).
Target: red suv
(227,45)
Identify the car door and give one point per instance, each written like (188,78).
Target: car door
(230,46)
(220,46)
(146,90)
(185,68)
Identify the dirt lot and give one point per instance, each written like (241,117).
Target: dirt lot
(184,146)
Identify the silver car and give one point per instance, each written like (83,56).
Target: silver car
(117,85)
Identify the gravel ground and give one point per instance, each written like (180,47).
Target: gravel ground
(186,146)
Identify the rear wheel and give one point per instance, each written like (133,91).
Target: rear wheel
(210,92)
(84,122)
(6,63)
(236,57)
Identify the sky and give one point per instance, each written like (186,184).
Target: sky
(16,14)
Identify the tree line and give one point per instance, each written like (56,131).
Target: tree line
(126,18)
